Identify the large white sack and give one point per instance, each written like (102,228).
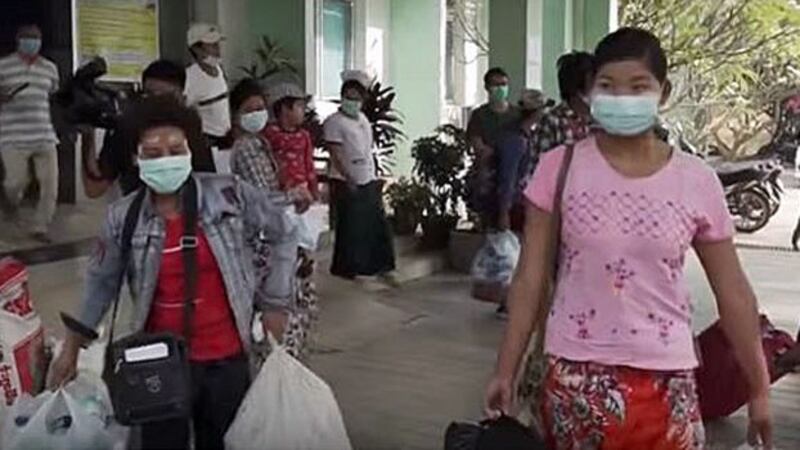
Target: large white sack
(288,407)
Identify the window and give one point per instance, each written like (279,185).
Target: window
(337,44)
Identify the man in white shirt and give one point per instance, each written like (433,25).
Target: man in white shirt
(206,86)
(363,245)
(26,130)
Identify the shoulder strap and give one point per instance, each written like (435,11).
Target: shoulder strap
(131,220)
(552,251)
(189,252)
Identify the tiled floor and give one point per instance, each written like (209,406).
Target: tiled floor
(404,363)
(72,223)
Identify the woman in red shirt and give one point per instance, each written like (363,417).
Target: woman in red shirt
(219,333)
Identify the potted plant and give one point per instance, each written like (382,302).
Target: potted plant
(270,60)
(440,163)
(386,122)
(408,201)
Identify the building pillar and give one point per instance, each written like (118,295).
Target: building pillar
(554,42)
(526,37)
(515,41)
(593,19)
(417,66)
(600,18)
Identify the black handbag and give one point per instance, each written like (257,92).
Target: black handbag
(505,433)
(148,375)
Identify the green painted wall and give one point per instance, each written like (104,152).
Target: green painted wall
(415,66)
(284,22)
(553,43)
(508,27)
(173,22)
(596,21)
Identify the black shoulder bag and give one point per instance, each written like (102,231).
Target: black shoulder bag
(148,375)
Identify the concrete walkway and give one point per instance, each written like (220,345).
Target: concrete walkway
(406,362)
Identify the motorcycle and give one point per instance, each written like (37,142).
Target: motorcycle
(753,195)
(753,188)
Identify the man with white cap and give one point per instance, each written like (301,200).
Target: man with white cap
(206,86)
(363,245)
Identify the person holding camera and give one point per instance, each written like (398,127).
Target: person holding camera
(117,159)
(27,136)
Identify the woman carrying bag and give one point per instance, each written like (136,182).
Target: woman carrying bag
(619,354)
(164,254)
(254,160)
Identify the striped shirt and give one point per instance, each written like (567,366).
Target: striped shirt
(25,119)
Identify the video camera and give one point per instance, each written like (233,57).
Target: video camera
(85,101)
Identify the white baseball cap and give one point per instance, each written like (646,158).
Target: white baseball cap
(284,90)
(205,33)
(362,77)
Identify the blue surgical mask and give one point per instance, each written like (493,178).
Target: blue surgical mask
(254,122)
(351,108)
(167,174)
(625,115)
(29,46)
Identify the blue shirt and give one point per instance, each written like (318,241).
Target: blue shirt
(513,158)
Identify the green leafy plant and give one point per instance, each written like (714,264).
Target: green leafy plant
(408,201)
(270,59)
(440,165)
(732,63)
(386,122)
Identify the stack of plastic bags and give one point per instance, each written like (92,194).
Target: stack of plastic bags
(77,416)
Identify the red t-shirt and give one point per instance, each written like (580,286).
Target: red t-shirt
(214,333)
(294,153)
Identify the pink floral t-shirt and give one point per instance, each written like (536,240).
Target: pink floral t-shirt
(621,297)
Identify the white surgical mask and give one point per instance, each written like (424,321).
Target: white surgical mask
(254,122)
(212,60)
(625,115)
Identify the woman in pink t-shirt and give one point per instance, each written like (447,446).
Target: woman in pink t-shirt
(619,340)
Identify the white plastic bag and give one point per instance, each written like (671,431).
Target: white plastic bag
(497,258)
(310,225)
(78,416)
(287,407)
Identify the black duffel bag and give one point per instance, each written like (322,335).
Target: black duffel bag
(504,433)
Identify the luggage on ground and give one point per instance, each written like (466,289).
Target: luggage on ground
(494,265)
(721,383)
(287,407)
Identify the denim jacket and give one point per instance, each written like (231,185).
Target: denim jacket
(229,210)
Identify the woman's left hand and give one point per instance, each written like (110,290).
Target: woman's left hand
(274,322)
(759,431)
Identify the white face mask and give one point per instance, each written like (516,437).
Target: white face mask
(254,122)
(212,60)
